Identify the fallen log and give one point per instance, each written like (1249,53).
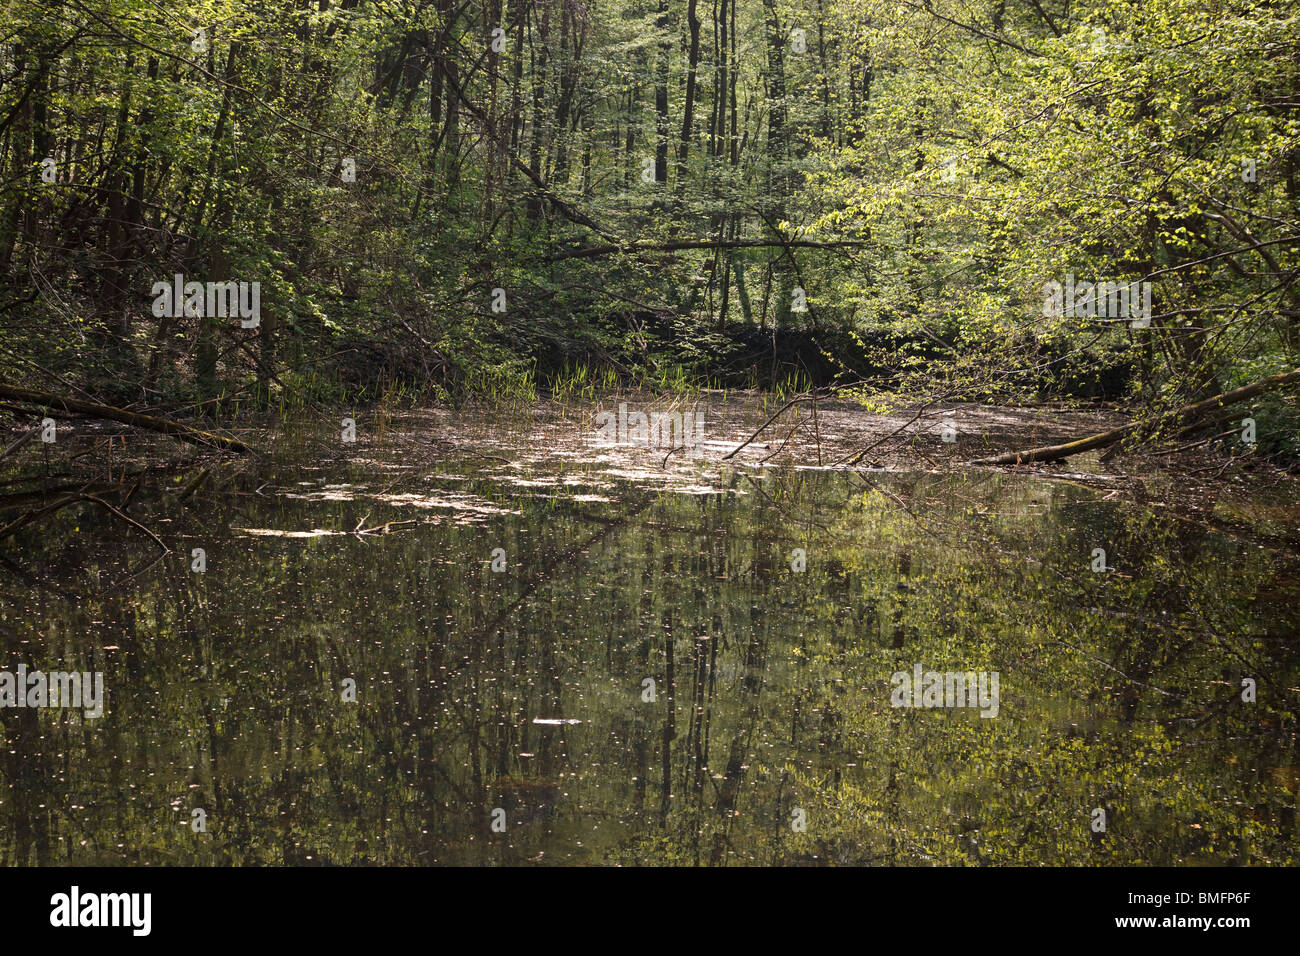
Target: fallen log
(77,407)
(1109,437)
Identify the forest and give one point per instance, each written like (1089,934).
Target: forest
(542,432)
(446,200)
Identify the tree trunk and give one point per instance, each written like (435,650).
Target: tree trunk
(1102,439)
(77,407)
(688,109)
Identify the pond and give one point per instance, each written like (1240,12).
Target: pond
(457,642)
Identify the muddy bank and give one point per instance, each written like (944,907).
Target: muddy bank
(741,355)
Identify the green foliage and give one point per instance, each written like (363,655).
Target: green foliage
(944,161)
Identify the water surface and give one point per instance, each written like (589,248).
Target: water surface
(521,695)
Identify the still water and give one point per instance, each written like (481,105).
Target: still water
(653,674)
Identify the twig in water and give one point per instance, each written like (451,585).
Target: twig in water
(812,396)
(27,436)
(127,518)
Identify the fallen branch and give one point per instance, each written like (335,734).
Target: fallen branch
(27,436)
(77,407)
(24,520)
(1200,441)
(127,518)
(28,517)
(789,435)
(854,459)
(1102,439)
(804,397)
(193,485)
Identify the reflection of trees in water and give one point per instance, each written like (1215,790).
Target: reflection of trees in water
(1119,691)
